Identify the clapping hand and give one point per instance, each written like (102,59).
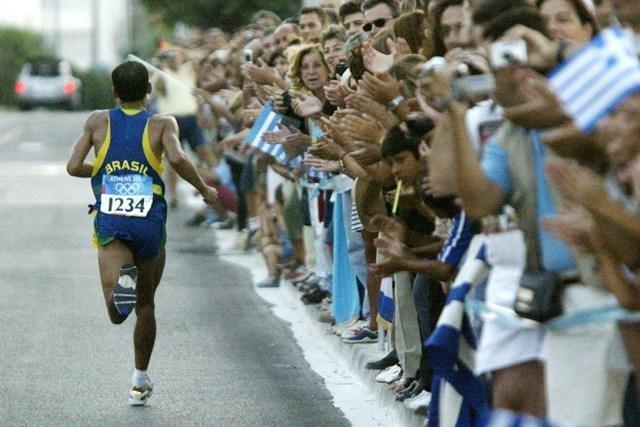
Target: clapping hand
(322,165)
(305,105)
(380,86)
(363,128)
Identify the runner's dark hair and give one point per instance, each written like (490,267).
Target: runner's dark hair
(130,81)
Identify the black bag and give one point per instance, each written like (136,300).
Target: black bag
(539,296)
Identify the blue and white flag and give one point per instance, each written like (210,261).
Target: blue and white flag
(386,305)
(267,121)
(593,82)
(458,397)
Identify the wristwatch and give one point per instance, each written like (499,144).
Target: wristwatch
(395,103)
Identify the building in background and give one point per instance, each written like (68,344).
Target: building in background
(89,33)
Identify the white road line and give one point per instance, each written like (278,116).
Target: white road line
(9,135)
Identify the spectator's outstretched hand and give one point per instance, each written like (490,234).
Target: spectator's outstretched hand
(305,105)
(373,108)
(322,165)
(363,128)
(577,184)
(366,153)
(573,225)
(541,109)
(327,149)
(278,136)
(380,86)
(261,74)
(375,61)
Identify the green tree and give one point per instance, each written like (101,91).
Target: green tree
(16,47)
(226,14)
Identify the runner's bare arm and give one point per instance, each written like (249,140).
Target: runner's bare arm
(180,162)
(77,166)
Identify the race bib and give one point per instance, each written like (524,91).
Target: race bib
(126,195)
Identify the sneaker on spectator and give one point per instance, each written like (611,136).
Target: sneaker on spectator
(314,297)
(355,329)
(197,220)
(325,316)
(226,224)
(402,383)
(389,375)
(365,336)
(389,360)
(422,399)
(269,283)
(299,274)
(422,410)
(339,328)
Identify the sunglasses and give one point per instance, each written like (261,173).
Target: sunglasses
(379,23)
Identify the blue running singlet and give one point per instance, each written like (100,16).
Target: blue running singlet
(128,187)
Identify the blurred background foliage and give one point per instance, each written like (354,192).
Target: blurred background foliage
(225,14)
(16,47)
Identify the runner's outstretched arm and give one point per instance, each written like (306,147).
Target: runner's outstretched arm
(76,166)
(181,163)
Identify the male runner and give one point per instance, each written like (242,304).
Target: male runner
(129,144)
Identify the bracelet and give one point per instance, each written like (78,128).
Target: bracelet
(346,153)
(395,103)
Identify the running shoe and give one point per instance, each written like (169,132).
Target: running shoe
(138,396)
(124,295)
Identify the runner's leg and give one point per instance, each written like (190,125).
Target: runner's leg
(144,334)
(111,258)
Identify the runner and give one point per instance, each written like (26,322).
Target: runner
(129,144)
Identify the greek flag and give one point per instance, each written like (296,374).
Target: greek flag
(458,398)
(267,121)
(386,306)
(601,75)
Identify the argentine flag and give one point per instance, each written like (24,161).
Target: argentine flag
(267,121)
(459,399)
(598,78)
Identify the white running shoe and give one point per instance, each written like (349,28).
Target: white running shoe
(138,396)
(422,399)
(389,375)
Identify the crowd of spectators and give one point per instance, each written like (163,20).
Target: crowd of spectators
(422,158)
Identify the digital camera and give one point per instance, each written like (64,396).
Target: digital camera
(506,53)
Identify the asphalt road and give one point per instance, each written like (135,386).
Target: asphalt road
(221,357)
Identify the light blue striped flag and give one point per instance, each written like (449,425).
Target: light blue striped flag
(593,82)
(458,397)
(267,121)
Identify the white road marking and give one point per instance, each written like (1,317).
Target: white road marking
(31,146)
(9,135)
(41,183)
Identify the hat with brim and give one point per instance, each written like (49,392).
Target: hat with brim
(367,195)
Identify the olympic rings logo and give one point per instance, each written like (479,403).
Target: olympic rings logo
(128,188)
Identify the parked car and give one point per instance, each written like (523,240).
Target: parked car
(48,82)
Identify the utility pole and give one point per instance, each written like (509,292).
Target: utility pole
(95,33)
